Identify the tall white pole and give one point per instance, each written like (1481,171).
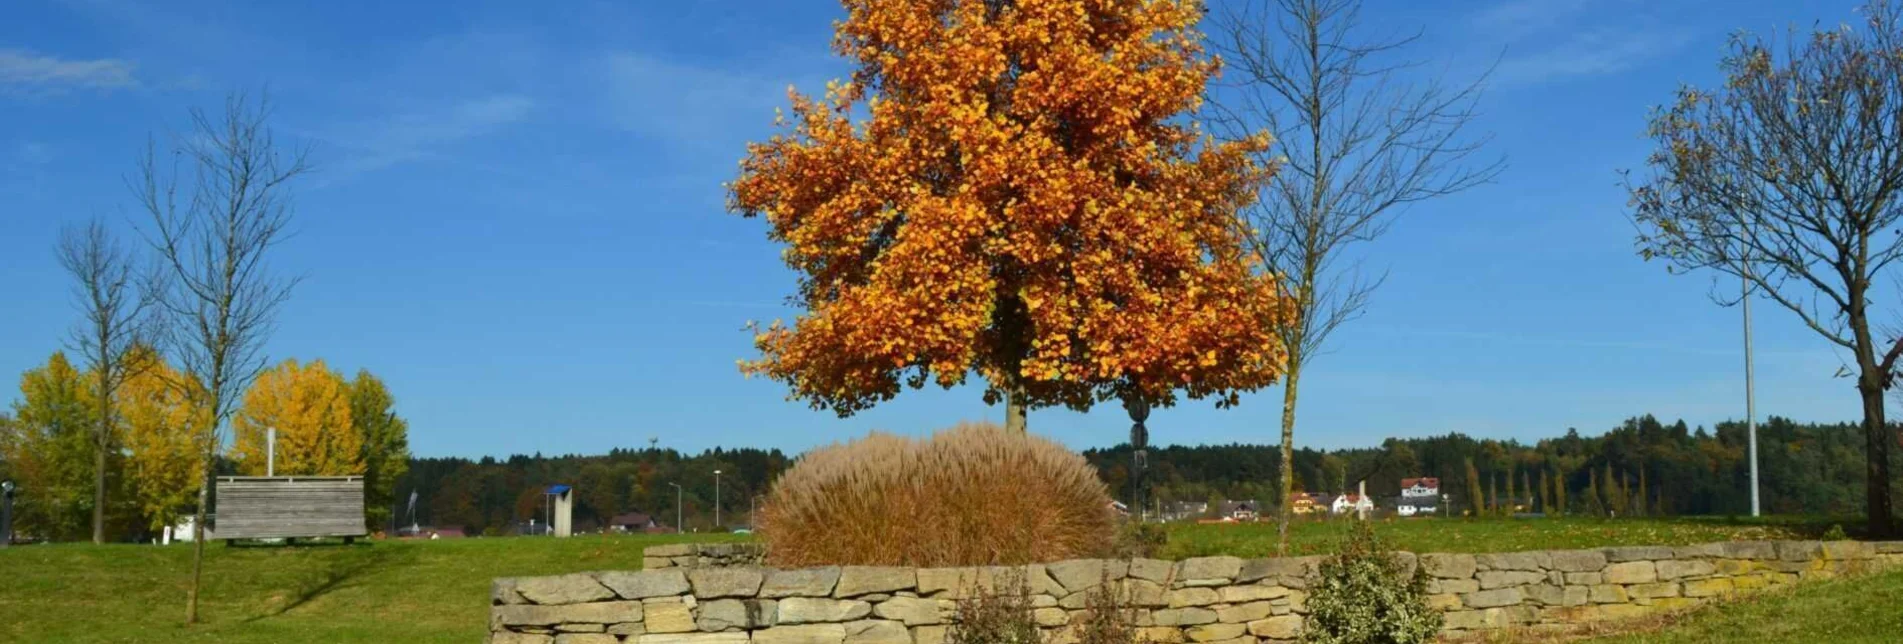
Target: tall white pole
(270,451)
(717,522)
(1750,410)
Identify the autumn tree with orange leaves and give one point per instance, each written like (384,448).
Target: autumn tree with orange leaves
(1013,188)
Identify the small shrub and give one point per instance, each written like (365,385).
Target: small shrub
(1835,533)
(1136,539)
(1107,618)
(971,495)
(1363,595)
(1000,614)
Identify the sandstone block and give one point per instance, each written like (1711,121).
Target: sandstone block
(1494,598)
(1585,578)
(800,634)
(1183,616)
(1536,560)
(1681,568)
(1080,574)
(877,631)
(915,611)
(1250,593)
(741,614)
(1636,553)
(1244,613)
(867,580)
(1050,617)
(1708,587)
(1155,570)
(1652,591)
(502,591)
(1750,550)
(1449,566)
(807,610)
(809,582)
(1608,594)
(1444,602)
(1143,592)
(565,589)
(1192,597)
(1452,585)
(670,618)
(1491,579)
(1578,561)
(1699,551)
(586,638)
(669,550)
(581,628)
(1843,550)
(646,583)
(1215,632)
(1208,571)
(1799,550)
(1631,572)
(712,583)
(1159,634)
(536,615)
(1284,627)
(508,637)
(929,634)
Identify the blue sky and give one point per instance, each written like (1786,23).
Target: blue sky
(518,219)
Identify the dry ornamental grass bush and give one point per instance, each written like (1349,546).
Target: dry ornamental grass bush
(974,494)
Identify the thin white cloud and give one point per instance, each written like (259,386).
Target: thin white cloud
(26,72)
(687,104)
(1516,18)
(411,136)
(1595,53)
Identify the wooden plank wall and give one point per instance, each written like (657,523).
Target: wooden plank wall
(264,508)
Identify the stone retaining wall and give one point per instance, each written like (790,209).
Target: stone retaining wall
(1223,600)
(703,555)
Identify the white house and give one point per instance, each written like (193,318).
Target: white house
(1418,496)
(1352,502)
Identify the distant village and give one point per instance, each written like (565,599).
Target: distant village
(1417,497)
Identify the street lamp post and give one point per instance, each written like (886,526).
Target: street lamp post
(270,451)
(717,522)
(678,526)
(6,513)
(1750,412)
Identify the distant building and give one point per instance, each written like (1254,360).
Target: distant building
(1300,503)
(635,522)
(1245,510)
(1419,496)
(1351,503)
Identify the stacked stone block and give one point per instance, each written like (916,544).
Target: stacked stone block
(703,555)
(1209,600)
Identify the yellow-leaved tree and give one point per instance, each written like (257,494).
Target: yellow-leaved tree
(309,405)
(163,425)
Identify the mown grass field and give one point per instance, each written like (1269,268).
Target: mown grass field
(437,591)
(1861,610)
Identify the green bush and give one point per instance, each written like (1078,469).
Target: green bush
(971,495)
(1136,539)
(1835,533)
(1108,617)
(1363,595)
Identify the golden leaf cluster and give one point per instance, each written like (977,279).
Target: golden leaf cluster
(1015,189)
(309,405)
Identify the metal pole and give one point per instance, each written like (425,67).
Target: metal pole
(1750,409)
(678,526)
(717,522)
(6,513)
(270,451)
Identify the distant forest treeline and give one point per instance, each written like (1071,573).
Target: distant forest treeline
(1641,467)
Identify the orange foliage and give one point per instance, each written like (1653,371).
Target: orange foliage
(309,405)
(1012,188)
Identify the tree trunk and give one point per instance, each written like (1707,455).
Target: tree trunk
(1287,486)
(1876,433)
(198,545)
(101,443)
(1014,414)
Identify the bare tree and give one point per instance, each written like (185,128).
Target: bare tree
(215,213)
(1788,176)
(114,307)
(1358,144)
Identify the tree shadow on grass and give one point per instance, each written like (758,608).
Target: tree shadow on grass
(352,564)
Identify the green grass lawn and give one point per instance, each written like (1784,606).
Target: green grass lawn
(1842,611)
(386,591)
(437,591)
(1486,535)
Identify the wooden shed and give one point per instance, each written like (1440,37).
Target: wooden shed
(271,507)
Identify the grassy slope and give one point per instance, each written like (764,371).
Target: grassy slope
(1845,611)
(416,591)
(422,591)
